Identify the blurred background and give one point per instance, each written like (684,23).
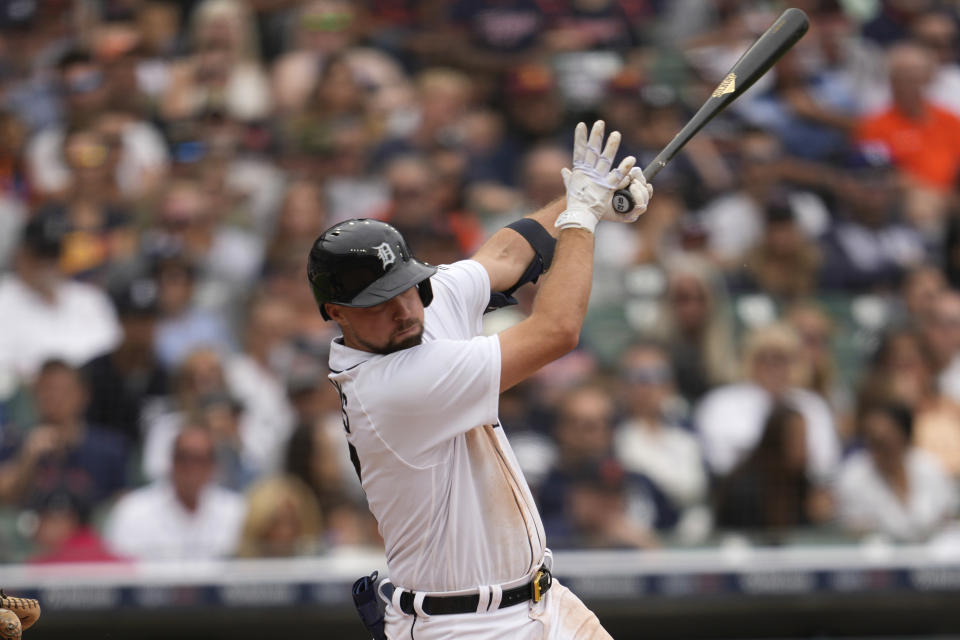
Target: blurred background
(759,435)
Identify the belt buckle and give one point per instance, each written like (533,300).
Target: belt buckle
(540,584)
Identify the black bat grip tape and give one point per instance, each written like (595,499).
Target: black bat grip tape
(622,201)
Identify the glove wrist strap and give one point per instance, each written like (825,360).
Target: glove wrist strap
(576,219)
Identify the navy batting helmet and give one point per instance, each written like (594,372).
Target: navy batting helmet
(361,263)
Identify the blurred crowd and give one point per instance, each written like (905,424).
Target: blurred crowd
(772,353)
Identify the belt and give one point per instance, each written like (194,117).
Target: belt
(442,605)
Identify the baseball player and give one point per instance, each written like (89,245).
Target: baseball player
(419,388)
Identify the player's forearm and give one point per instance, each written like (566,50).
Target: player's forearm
(547,215)
(561,302)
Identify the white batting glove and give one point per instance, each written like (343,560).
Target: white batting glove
(591,184)
(641,191)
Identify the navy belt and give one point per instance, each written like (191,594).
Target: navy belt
(445,605)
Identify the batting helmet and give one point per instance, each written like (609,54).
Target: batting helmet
(361,263)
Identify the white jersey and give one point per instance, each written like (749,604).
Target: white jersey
(441,479)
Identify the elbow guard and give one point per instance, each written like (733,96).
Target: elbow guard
(543,245)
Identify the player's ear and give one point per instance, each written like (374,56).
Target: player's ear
(333,311)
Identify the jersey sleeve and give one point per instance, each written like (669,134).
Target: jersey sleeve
(461,292)
(431,394)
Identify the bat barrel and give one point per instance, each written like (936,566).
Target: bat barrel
(757,60)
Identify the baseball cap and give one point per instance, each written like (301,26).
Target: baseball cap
(530,79)
(75,497)
(627,82)
(44,234)
(137,298)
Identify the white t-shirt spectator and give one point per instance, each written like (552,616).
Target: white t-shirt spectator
(730,419)
(151,524)
(866,504)
(79,325)
(669,456)
(144,152)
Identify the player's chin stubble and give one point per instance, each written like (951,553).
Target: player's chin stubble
(393,345)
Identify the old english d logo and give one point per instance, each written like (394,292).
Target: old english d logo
(386,254)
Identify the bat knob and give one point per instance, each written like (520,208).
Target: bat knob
(622,201)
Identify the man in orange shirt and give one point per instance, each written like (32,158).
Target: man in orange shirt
(923,140)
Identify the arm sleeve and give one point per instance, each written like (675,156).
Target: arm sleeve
(434,393)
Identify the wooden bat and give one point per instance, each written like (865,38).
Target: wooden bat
(769,47)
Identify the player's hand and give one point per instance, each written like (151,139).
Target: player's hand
(591,183)
(641,191)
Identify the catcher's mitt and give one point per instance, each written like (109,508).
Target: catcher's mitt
(27,609)
(10,627)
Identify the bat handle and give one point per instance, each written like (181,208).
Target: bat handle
(622,200)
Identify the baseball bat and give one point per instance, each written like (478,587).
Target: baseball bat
(756,61)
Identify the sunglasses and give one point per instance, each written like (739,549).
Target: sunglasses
(328,22)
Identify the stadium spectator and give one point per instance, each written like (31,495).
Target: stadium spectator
(694,324)
(817,331)
(319,31)
(63,531)
(191,222)
(892,488)
(283,520)
(61,447)
(941,333)
(734,220)
(813,117)
(921,138)
(223,70)
(416,211)
(784,263)
(184,325)
(157,26)
(922,287)
(869,245)
(769,492)
(345,158)
(596,510)
(255,376)
(202,396)
(937,30)
(532,105)
(142,156)
(46,316)
(302,216)
(182,517)
(902,372)
(587,498)
(649,441)
(729,419)
(313,456)
(101,239)
(892,21)
(124,381)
